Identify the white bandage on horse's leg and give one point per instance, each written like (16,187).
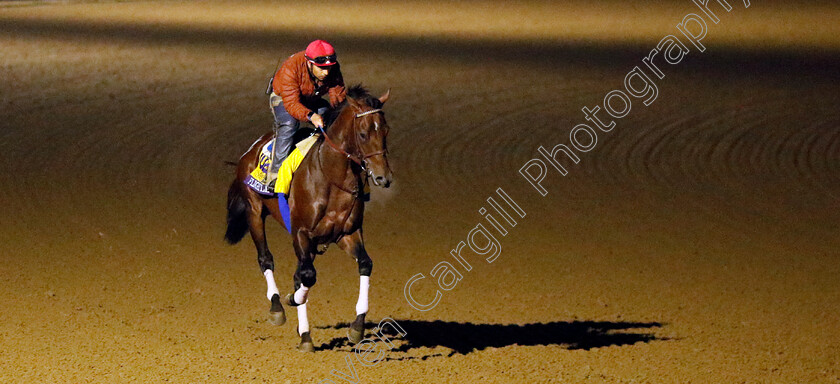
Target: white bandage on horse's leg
(303,321)
(364,286)
(272,286)
(301,294)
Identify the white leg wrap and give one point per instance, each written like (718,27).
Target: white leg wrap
(364,286)
(303,321)
(301,294)
(272,286)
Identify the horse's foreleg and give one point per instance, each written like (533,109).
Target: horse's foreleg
(305,275)
(354,245)
(256,225)
(305,278)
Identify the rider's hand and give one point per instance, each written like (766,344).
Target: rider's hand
(316,120)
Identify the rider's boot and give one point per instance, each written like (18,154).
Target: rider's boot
(280,148)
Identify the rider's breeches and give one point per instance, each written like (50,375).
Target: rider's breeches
(285,127)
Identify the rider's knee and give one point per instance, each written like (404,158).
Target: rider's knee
(286,125)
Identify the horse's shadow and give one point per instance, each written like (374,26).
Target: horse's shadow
(465,338)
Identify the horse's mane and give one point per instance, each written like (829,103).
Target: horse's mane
(358,93)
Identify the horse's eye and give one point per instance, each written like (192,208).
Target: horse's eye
(363,135)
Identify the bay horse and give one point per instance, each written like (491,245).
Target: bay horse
(325,201)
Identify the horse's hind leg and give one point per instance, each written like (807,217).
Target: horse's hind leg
(354,245)
(256,224)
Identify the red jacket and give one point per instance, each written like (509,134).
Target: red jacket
(297,87)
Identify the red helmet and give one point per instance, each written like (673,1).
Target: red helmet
(321,53)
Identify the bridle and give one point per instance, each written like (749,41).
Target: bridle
(360,158)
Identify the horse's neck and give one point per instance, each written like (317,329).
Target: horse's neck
(340,133)
(336,167)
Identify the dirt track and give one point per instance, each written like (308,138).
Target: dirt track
(697,242)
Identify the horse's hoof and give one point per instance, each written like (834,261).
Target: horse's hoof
(306,344)
(277,318)
(276,315)
(355,336)
(289,300)
(357,329)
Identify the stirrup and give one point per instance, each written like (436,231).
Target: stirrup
(273,180)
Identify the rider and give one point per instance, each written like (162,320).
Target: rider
(297,90)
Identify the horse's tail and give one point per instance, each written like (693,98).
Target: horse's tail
(237,213)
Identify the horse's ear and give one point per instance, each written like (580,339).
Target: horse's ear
(384,98)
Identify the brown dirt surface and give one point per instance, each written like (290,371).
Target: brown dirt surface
(697,242)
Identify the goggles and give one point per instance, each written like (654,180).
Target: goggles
(323,60)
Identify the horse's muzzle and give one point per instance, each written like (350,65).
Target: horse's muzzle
(381,181)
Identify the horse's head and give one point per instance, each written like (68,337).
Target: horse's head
(371,130)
